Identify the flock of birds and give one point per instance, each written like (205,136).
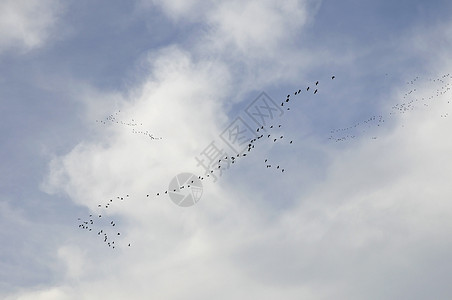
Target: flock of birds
(362,125)
(269,133)
(107,229)
(413,99)
(136,127)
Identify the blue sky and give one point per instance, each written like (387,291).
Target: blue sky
(363,218)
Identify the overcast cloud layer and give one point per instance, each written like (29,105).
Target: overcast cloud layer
(359,213)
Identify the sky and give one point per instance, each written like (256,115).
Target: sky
(103,100)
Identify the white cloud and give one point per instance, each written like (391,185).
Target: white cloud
(177,93)
(27,24)
(255,38)
(179,9)
(256,27)
(376,219)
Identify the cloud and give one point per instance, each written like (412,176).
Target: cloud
(178,10)
(176,86)
(374,225)
(256,25)
(27,25)
(255,38)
